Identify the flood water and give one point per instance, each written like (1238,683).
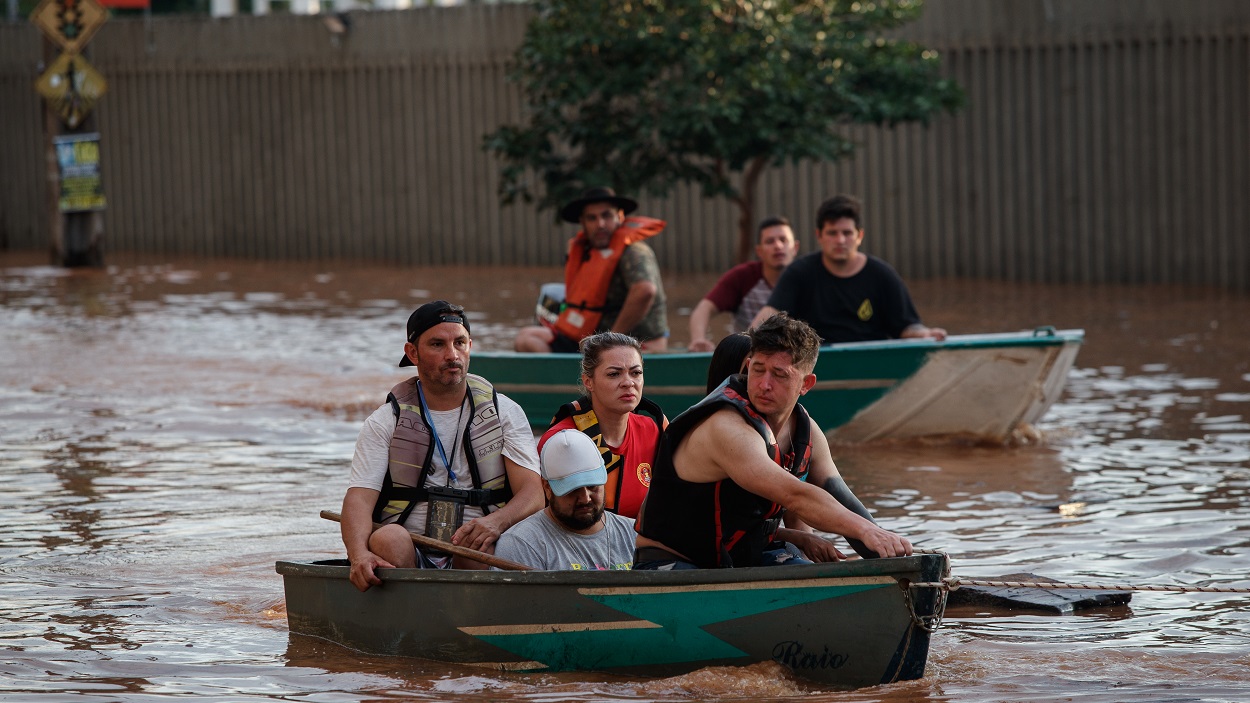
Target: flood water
(171,428)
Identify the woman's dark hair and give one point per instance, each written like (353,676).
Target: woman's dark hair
(727,359)
(595,345)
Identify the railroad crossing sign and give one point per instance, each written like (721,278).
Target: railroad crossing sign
(71,86)
(69,23)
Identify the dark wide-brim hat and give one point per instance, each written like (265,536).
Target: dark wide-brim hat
(573,211)
(433,313)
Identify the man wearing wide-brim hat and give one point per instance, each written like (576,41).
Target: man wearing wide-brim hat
(611,278)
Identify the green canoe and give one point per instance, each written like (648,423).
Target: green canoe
(982,386)
(847,624)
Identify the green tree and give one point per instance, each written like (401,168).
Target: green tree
(644,94)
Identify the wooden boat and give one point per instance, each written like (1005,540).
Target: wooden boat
(981,386)
(846,624)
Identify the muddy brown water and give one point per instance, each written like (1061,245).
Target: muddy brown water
(171,428)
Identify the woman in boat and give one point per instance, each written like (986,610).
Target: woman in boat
(729,358)
(610,413)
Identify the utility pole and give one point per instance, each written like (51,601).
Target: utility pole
(71,86)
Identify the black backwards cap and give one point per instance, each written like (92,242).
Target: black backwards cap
(432,313)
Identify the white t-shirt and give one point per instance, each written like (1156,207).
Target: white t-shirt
(373,447)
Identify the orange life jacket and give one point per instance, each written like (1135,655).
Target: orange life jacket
(588,272)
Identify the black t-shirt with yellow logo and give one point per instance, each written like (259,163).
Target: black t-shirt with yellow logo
(872,304)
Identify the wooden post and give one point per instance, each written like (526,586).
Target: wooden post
(52,174)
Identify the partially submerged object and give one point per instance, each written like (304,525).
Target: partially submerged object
(845,624)
(1032,594)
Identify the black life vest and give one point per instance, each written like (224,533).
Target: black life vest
(719,524)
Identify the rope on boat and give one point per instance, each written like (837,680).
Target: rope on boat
(927,623)
(954,583)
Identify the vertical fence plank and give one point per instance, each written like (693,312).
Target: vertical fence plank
(1087,159)
(1137,95)
(1160,268)
(265,244)
(370,115)
(1113,128)
(166,187)
(1213,73)
(948,189)
(1232,178)
(425,157)
(996,132)
(181,176)
(272,197)
(402,144)
(311,151)
(293,177)
(122,216)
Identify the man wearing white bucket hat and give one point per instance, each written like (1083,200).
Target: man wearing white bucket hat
(573,532)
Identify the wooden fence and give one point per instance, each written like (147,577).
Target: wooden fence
(1102,142)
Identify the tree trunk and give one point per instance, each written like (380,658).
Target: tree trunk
(746,208)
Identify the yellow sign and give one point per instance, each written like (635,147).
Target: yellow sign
(71,86)
(69,23)
(78,160)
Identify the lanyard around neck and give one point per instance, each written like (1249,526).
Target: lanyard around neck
(438,443)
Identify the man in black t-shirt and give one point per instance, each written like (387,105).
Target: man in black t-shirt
(845,294)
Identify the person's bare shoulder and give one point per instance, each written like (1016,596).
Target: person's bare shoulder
(697,454)
(719,444)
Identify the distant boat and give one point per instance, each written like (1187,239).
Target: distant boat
(979,386)
(845,624)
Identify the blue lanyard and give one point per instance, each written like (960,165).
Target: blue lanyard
(425,409)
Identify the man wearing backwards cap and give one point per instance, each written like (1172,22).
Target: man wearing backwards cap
(573,532)
(445,456)
(611,278)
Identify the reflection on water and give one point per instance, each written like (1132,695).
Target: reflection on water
(170,429)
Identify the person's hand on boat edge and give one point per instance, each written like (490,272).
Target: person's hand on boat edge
(363,567)
(701,345)
(883,542)
(919,331)
(813,546)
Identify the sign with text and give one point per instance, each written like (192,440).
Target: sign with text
(69,23)
(72,86)
(78,161)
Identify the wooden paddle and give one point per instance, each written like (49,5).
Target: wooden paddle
(448,547)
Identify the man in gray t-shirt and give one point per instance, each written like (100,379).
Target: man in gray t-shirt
(573,532)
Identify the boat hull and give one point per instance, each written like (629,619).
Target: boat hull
(846,624)
(982,386)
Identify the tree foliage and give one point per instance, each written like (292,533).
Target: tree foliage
(644,94)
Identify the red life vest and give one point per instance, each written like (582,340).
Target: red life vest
(588,272)
(629,474)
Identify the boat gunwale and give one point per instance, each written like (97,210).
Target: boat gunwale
(1030,338)
(895,567)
